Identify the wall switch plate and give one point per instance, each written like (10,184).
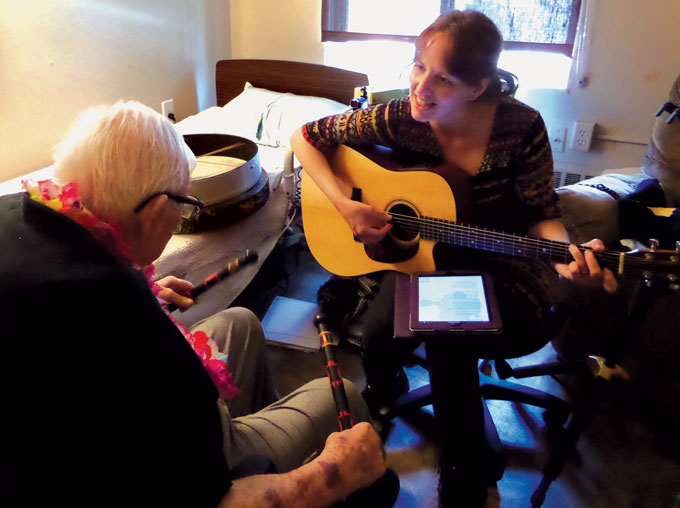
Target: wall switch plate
(168,109)
(558,136)
(583,136)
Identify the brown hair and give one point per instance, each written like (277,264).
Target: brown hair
(476,44)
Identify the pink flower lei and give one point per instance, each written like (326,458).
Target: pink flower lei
(64,199)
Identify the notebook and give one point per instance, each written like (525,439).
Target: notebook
(290,323)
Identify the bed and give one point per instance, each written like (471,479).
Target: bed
(264,101)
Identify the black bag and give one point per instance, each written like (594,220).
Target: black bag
(344,301)
(639,222)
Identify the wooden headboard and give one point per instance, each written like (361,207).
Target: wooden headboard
(283,76)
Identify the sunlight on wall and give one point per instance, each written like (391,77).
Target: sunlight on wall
(387,64)
(391,16)
(537,69)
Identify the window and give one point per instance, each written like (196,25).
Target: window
(543,25)
(376,36)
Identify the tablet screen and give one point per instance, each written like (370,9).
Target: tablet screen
(452,302)
(452,299)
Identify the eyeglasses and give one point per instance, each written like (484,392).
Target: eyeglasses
(191,206)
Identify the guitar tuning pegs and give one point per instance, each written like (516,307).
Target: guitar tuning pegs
(653,243)
(677,245)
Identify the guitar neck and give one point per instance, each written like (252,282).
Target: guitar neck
(473,237)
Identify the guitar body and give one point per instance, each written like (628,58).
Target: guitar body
(413,192)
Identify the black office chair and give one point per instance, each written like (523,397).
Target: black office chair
(567,418)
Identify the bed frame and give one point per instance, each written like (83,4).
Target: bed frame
(283,76)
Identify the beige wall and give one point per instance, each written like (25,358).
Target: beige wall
(277,30)
(60,56)
(633,61)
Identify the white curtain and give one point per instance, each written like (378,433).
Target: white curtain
(579,76)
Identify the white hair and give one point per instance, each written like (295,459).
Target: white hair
(119,155)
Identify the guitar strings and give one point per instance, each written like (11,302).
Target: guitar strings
(491,238)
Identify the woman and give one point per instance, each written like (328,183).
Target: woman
(460,116)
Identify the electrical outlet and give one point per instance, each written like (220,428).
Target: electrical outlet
(557,136)
(583,136)
(168,109)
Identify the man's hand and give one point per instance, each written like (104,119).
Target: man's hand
(585,269)
(353,458)
(174,290)
(368,224)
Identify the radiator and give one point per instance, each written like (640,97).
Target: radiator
(565,177)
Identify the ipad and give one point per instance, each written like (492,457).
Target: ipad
(453,302)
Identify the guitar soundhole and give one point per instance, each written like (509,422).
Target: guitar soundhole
(401,243)
(401,229)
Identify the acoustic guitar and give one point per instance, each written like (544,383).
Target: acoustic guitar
(423,212)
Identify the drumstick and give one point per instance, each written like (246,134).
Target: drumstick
(333,370)
(234,145)
(384,491)
(246,258)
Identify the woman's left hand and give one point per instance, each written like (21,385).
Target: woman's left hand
(586,270)
(174,290)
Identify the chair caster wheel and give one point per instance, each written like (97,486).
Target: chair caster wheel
(486,367)
(503,369)
(554,418)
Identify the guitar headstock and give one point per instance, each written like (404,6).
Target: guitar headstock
(652,264)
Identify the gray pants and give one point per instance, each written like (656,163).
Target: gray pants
(286,431)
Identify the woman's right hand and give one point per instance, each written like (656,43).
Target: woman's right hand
(367,223)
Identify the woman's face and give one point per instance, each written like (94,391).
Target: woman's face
(437,95)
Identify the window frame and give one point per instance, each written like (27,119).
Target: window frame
(337,10)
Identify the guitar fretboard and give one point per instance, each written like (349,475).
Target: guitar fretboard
(441,230)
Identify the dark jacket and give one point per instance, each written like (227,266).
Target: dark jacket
(103,401)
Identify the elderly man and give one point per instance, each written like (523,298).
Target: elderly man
(108,402)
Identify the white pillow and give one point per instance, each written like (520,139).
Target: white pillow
(261,115)
(288,112)
(243,114)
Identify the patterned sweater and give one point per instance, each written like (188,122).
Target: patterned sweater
(512,190)
(513,187)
